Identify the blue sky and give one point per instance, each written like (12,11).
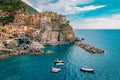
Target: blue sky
(83,14)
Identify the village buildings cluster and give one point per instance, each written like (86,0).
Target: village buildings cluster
(25,24)
(48,16)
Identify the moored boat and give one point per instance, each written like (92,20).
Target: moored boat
(55,70)
(87,69)
(58,61)
(59,64)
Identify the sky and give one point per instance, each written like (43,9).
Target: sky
(83,14)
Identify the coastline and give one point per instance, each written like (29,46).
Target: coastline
(5,53)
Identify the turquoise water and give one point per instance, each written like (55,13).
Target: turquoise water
(37,67)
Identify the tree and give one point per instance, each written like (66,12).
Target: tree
(67,22)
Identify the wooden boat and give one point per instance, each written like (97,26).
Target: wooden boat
(55,70)
(87,69)
(58,61)
(59,64)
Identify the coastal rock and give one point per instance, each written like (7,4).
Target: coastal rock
(10,43)
(5,53)
(36,45)
(49,51)
(88,48)
(37,52)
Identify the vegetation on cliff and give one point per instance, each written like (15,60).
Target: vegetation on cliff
(8,10)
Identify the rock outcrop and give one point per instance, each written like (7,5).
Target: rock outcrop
(4,53)
(88,48)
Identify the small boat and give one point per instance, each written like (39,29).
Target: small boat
(58,61)
(87,69)
(59,64)
(55,70)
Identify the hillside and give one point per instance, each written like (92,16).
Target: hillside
(24,30)
(8,10)
(29,33)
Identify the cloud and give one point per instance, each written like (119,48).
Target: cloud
(62,6)
(111,22)
(75,9)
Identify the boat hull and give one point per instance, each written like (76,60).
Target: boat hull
(55,70)
(59,64)
(60,61)
(87,70)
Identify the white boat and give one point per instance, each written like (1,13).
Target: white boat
(87,69)
(55,70)
(59,64)
(58,61)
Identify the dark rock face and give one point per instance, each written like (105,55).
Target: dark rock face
(51,29)
(55,37)
(23,40)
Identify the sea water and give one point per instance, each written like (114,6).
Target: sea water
(38,67)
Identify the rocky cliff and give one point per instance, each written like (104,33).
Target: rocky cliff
(22,30)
